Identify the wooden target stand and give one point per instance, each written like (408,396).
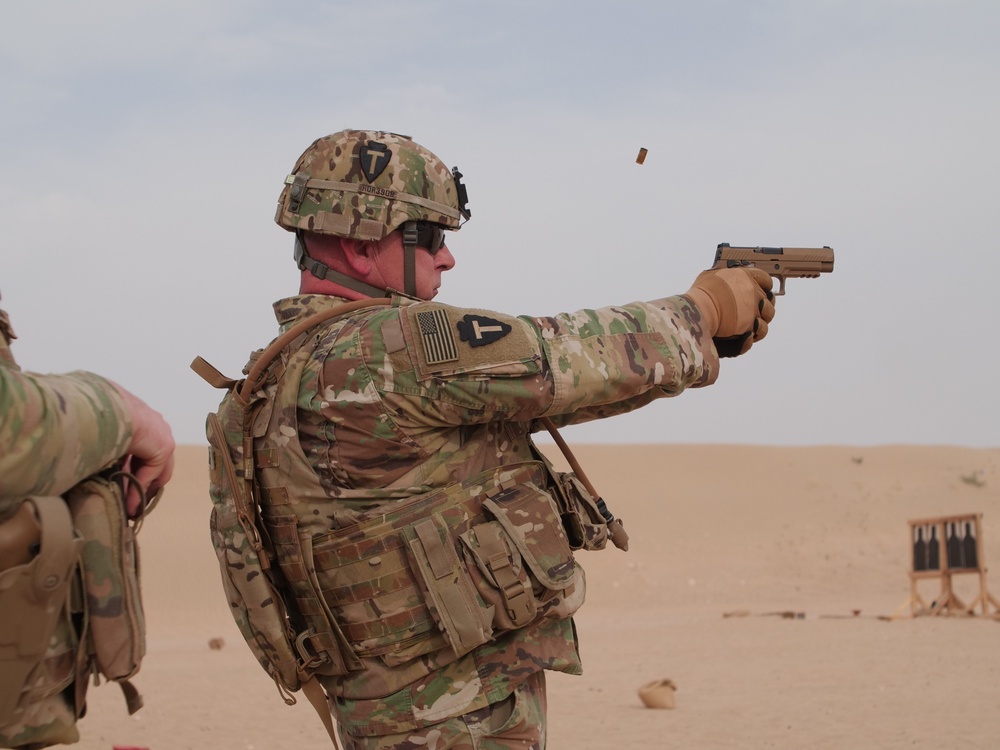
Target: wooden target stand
(942,548)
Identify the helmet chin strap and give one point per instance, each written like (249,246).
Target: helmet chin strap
(323,271)
(410,258)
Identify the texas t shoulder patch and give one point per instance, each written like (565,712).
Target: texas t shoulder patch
(479,330)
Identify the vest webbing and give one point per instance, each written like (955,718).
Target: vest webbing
(283,474)
(364,572)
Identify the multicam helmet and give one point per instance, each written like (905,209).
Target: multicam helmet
(364,184)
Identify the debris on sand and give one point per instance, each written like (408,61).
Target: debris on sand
(658,694)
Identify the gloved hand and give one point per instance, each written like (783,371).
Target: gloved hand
(736,304)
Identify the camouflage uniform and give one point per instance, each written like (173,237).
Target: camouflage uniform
(55,430)
(517,721)
(391,407)
(395,473)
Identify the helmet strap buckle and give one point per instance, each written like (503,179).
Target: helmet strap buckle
(410,258)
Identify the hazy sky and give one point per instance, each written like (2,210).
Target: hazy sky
(143,145)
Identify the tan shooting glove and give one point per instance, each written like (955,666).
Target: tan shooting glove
(738,302)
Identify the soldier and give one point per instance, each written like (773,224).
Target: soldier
(55,431)
(395,460)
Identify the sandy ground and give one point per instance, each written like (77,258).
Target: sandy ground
(748,532)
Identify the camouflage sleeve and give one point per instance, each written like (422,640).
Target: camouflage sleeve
(56,430)
(450,366)
(617,359)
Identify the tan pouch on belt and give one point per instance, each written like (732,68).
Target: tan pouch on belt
(33,597)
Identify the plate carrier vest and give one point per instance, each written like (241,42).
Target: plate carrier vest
(460,564)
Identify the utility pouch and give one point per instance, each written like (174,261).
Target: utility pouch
(529,517)
(37,642)
(520,561)
(116,624)
(450,595)
(500,576)
(508,569)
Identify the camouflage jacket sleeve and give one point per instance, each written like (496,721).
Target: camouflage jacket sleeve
(55,430)
(432,365)
(614,360)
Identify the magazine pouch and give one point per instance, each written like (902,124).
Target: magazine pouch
(586,528)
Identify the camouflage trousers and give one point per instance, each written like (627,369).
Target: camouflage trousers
(515,723)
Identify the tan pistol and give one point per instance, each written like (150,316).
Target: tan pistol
(780,262)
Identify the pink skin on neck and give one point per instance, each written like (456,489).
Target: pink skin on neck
(379,264)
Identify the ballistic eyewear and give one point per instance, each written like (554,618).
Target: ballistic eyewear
(425,234)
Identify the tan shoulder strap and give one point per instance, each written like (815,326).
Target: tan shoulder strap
(267,356)
(211,375)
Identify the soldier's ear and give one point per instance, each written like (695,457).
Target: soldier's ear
(359,254)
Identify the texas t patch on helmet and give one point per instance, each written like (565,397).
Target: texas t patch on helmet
(364,184)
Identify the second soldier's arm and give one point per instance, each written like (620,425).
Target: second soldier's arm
(56,430)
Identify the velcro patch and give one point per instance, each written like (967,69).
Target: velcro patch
(374,158)
(443,341)
(436,337)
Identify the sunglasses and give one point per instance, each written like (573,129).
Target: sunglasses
(425,234)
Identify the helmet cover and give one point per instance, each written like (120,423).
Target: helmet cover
(364,184)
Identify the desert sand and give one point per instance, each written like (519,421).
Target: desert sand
(724,540)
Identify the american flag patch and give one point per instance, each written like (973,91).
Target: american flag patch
(436,336)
